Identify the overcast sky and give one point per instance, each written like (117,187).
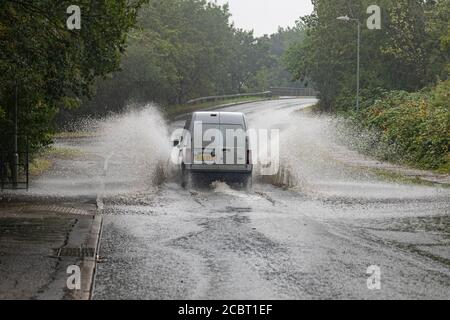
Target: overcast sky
(264,16)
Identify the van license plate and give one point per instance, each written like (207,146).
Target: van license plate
(205,157)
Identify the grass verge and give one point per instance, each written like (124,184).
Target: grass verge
(74,135)
(46,158)
(39,166)
(398,177)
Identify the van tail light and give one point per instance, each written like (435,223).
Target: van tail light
(249,157)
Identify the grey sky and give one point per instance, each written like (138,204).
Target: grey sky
(264,16)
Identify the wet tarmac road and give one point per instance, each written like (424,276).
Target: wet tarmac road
(227,244)
(314,240)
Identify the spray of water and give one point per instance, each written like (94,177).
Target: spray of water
(136,146)
(129,153)
(316,156)
(120,154)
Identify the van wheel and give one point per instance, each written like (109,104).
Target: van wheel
(186,179)
(248,181)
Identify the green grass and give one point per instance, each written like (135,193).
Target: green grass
(444,169)
(39,166)
(310,109)
(68,135)
(63,153)
(397,177)
(44,160)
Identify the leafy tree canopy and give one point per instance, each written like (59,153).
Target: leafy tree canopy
(51,66)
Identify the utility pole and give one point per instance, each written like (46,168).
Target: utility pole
(348,19)
(358,67)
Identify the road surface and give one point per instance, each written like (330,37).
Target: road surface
(315,239)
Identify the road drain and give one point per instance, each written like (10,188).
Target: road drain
(75,252)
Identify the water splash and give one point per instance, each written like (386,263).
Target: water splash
(316,157)
(121,154)
(137,145)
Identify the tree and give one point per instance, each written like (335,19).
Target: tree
(278,75)
(249,56)
(53,67)
(178,51)
(184,49)
(400,56)
(437,41)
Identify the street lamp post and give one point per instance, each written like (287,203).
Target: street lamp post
(348,19)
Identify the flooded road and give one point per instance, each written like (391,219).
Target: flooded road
(315,238)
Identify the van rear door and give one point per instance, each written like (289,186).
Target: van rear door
(233,130)
(207,140)
(235,142)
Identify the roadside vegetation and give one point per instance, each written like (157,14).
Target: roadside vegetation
(135,52)
(185,49)
(45,158)
(405,105)
(409,128)
(127,52)
(45,67)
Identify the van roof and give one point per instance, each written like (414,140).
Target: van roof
(220,117)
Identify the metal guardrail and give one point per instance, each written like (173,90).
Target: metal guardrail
(267,94)
(294,92)
(275,91)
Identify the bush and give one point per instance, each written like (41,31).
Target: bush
(412,128)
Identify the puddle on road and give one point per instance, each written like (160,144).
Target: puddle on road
(428,236)
(132,151)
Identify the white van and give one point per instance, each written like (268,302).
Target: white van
(215,145)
